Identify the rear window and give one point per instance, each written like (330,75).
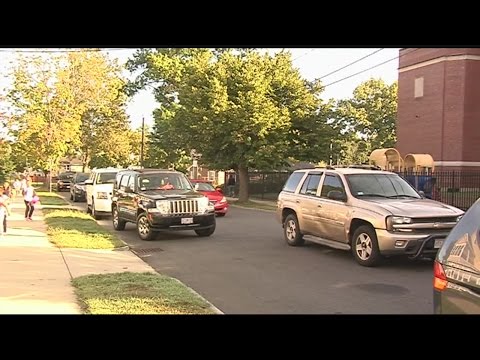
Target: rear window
(293,181)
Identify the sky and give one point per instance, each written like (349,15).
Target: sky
(312,63)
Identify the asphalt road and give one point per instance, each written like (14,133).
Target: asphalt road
(246,267)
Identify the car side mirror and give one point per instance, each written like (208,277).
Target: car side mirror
(88,182)
(422,194)
(128,190)
(219,189)
(337,195)
(196,187)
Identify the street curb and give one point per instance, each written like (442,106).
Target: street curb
(212,307)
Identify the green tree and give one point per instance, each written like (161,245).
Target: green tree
(371,114)
(238,108)
(44,123)
(94,85)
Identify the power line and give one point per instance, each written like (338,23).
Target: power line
(350,64)
(370,68)
(308,52)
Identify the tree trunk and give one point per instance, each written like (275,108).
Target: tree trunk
(243,180)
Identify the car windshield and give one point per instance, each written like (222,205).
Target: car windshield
(204,186)
(106,178)
(82,177)
(163,181)
(65,177)
(380,185)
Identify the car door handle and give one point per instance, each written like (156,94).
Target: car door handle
(319,205)
(297,201)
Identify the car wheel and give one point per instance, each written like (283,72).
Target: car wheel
(291,231)
(118,224)
(206,232)
(71,196)
(94,212)
(143,228)
(75,199)
(365,246)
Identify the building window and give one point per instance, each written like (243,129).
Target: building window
(211,176)
(418,87)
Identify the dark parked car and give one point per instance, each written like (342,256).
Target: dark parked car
(456,280)
(78,191)
(64,181)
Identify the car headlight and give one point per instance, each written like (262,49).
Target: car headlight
(459,218)
(224,199)
(163,206)
(205,205)
(397,220)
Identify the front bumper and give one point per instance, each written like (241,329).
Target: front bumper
(414,246)
(160,222)
(221,208)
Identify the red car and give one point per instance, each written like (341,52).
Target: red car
(214,195)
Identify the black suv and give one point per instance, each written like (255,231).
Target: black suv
(64,181)
(157,200)
(77,187)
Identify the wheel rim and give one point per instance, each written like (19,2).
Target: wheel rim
(143,227)
(115,217)
(364,246)
(291,230)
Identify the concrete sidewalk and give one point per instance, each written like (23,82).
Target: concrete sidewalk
(35,275)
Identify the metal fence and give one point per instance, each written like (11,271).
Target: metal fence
(458,188)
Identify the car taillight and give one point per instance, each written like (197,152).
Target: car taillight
(439,278)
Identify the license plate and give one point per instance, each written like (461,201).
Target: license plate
(187,221)
(438,243)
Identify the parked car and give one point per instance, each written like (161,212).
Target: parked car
(373,213)
(160,200)
(78,190)
(99,189)
(456,283)
(215,195)
(64,181)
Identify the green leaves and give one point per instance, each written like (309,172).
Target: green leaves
(69,105)
(238,108)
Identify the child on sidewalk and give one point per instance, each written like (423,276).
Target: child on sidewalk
(4,211)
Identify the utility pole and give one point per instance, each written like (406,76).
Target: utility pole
(143,140)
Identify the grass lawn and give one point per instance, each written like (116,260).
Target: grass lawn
(255,205)
(50,198)
(74,229)
(137,293)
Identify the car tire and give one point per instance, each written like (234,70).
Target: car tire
(206,232)
(143,228)
(94,212)
(118,224)
(365,246)
(291,231)
(75,199)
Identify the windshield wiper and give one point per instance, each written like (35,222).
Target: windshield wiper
(373,195)
(403,195)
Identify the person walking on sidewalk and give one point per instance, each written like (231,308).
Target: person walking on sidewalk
(28,197)
(4,211)
(231,186)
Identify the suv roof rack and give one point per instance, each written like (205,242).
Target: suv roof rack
(330,167)
(365,166)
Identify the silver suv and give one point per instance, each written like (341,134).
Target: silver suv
(373,213)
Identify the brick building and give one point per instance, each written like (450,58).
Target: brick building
(439,105)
